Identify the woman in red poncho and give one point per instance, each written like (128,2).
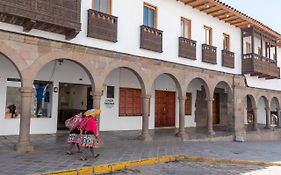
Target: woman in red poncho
(90,134)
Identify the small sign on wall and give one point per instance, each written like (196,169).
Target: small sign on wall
(109,102)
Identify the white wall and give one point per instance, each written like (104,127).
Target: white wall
(130,17)
(110,119)
(261,112)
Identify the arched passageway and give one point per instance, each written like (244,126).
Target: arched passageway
(275,112)
(250,113)
(62,88)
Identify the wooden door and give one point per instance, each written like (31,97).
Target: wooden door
(164,109)
(216,109)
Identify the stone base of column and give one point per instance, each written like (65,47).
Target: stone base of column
(211,133)
(24,148)
(145,137)
(267,127)
(182,135)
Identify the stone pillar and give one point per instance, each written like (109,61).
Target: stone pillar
(96,103)
(255,119)
(181,132)
(24,144)
(267,110)
(210,117)
(278,117)
(145,120)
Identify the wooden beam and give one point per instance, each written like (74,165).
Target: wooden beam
(187,2)
(237,22)
(214,11)
(225,17)
(205,8)
(232,19)
(28,25)
(219,14)
(199,5)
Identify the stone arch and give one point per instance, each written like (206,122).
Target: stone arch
(173,76)
(204,83)
(250,117)
(223,100)
(265,99)
(138,73)
(276,101)
(30,74)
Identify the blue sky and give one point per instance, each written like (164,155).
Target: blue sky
(266,11)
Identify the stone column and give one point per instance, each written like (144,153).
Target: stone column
(210,117)
(96,103)
(24,144)
(145,120)
(181,132)
(278,117)
(267,110)
(255,119)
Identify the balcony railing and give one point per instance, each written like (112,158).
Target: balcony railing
(209,54)
(57,16)
(227,58)
(151,39)
(187,48)
(102,26)
(262,67)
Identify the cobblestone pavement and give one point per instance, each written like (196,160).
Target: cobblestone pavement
(199,168)
(49,154)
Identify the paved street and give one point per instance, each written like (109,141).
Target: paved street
(49,154)
(200,168)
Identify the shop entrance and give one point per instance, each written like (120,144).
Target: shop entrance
(73,98)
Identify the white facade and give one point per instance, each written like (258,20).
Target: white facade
(130,18)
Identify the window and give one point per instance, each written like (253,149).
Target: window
(248,47)
(188,104)
(149,15)
(103,6)
(208,35)
(130,103)
(226,42)
(110,92)
(185,28)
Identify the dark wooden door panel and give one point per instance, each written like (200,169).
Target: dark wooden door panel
(164,109)
(216,109)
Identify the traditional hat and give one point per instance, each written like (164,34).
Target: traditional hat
(92,112)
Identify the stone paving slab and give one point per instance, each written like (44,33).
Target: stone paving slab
(49,154)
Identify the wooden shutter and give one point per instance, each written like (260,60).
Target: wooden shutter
(130,103)
(188,104)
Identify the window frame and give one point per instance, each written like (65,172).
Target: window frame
(248,47)
(149,6)
(134,99)
(207,28)
(188,22)
(109,6)
(226,37)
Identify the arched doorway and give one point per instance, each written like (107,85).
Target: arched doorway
(274,110)
(122,100)
(166,89)
(250,114)
(62,88)
(223,107)
(197,110)
(10,104)
(263,113)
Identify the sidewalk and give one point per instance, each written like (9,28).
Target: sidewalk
(121,146)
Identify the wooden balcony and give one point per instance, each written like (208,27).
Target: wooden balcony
(255,65)
(209,54)
(102,26)
(187,48)
(227,59)
(57,16)
(151,39)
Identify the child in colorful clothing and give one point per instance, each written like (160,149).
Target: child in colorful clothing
(90,134)
(73,139)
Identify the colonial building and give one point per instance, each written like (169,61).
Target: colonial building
(146,63)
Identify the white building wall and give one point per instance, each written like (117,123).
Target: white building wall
(169,14)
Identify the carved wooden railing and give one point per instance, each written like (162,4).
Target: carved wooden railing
(187,48)
(209,54)
(227,59)
(102,26)
(151,39)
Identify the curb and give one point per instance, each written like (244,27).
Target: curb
(107,168)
